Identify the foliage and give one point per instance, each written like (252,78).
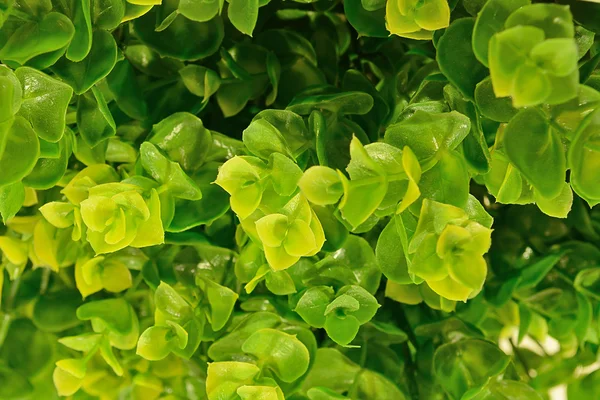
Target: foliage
(304,200)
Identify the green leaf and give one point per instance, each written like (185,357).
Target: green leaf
(200,81)
(19,150)
(342,103)
(221,300)
(183,137)
(124,87)
(313,303)
(82,39)
(583,160)
(173,41)
(289,361)
(554,19)
(498,109)
(224,378)
(465,364)
(366,189)
(116,315)
(508,51)
(456,58)
(45,102)
(321,185)
(94,119)
(48,171)
(428,134)
(168,173)
(55,312)
(12,197)
(367,22)
(540,155)
(94,67)
(505,389)
(200,10)
(243,14)
(154,343)
(10,89)
(490,21)
(52,32)
(392,251)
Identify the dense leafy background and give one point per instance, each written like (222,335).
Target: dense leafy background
(305,200)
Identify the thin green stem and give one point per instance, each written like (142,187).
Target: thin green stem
(4,326)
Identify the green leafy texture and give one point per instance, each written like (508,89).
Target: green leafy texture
(466,364)
(184,139)
(321,185)
(94,119)
(583,159)
(366,22)
(527,67)
(44,104)
(173,41)
(124,87)
(490,21)
(456,58)
(555,20)
(243,14)
(221,301)
(19,150)
(50,168)
(389,161)
(287,237)
(288,363)
(81,43)
(448,251)
(168,173)
(241,178)
(224,378)
(96,65)
(201,11)
(33,38)
(427,134)
(10,89)
(498,109)
(116,215)
(416,20)
(200,81)
(12,197)
(539,155)
(504,389)
(366,189)
(392,251)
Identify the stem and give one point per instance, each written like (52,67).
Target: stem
(4,326)
(363,354)
(519,357)
(45,280)
(411,372)
(7,318)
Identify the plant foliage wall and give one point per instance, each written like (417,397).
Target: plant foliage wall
(304,200)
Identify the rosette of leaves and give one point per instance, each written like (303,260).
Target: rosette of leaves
(341,313)
(398,148)
(416,19)
(180,325)
(231,378)
(115,325)
(253,338)
(383,180)
(35,149)
(111,272)
(115,215)
(534,58)
(447,251)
